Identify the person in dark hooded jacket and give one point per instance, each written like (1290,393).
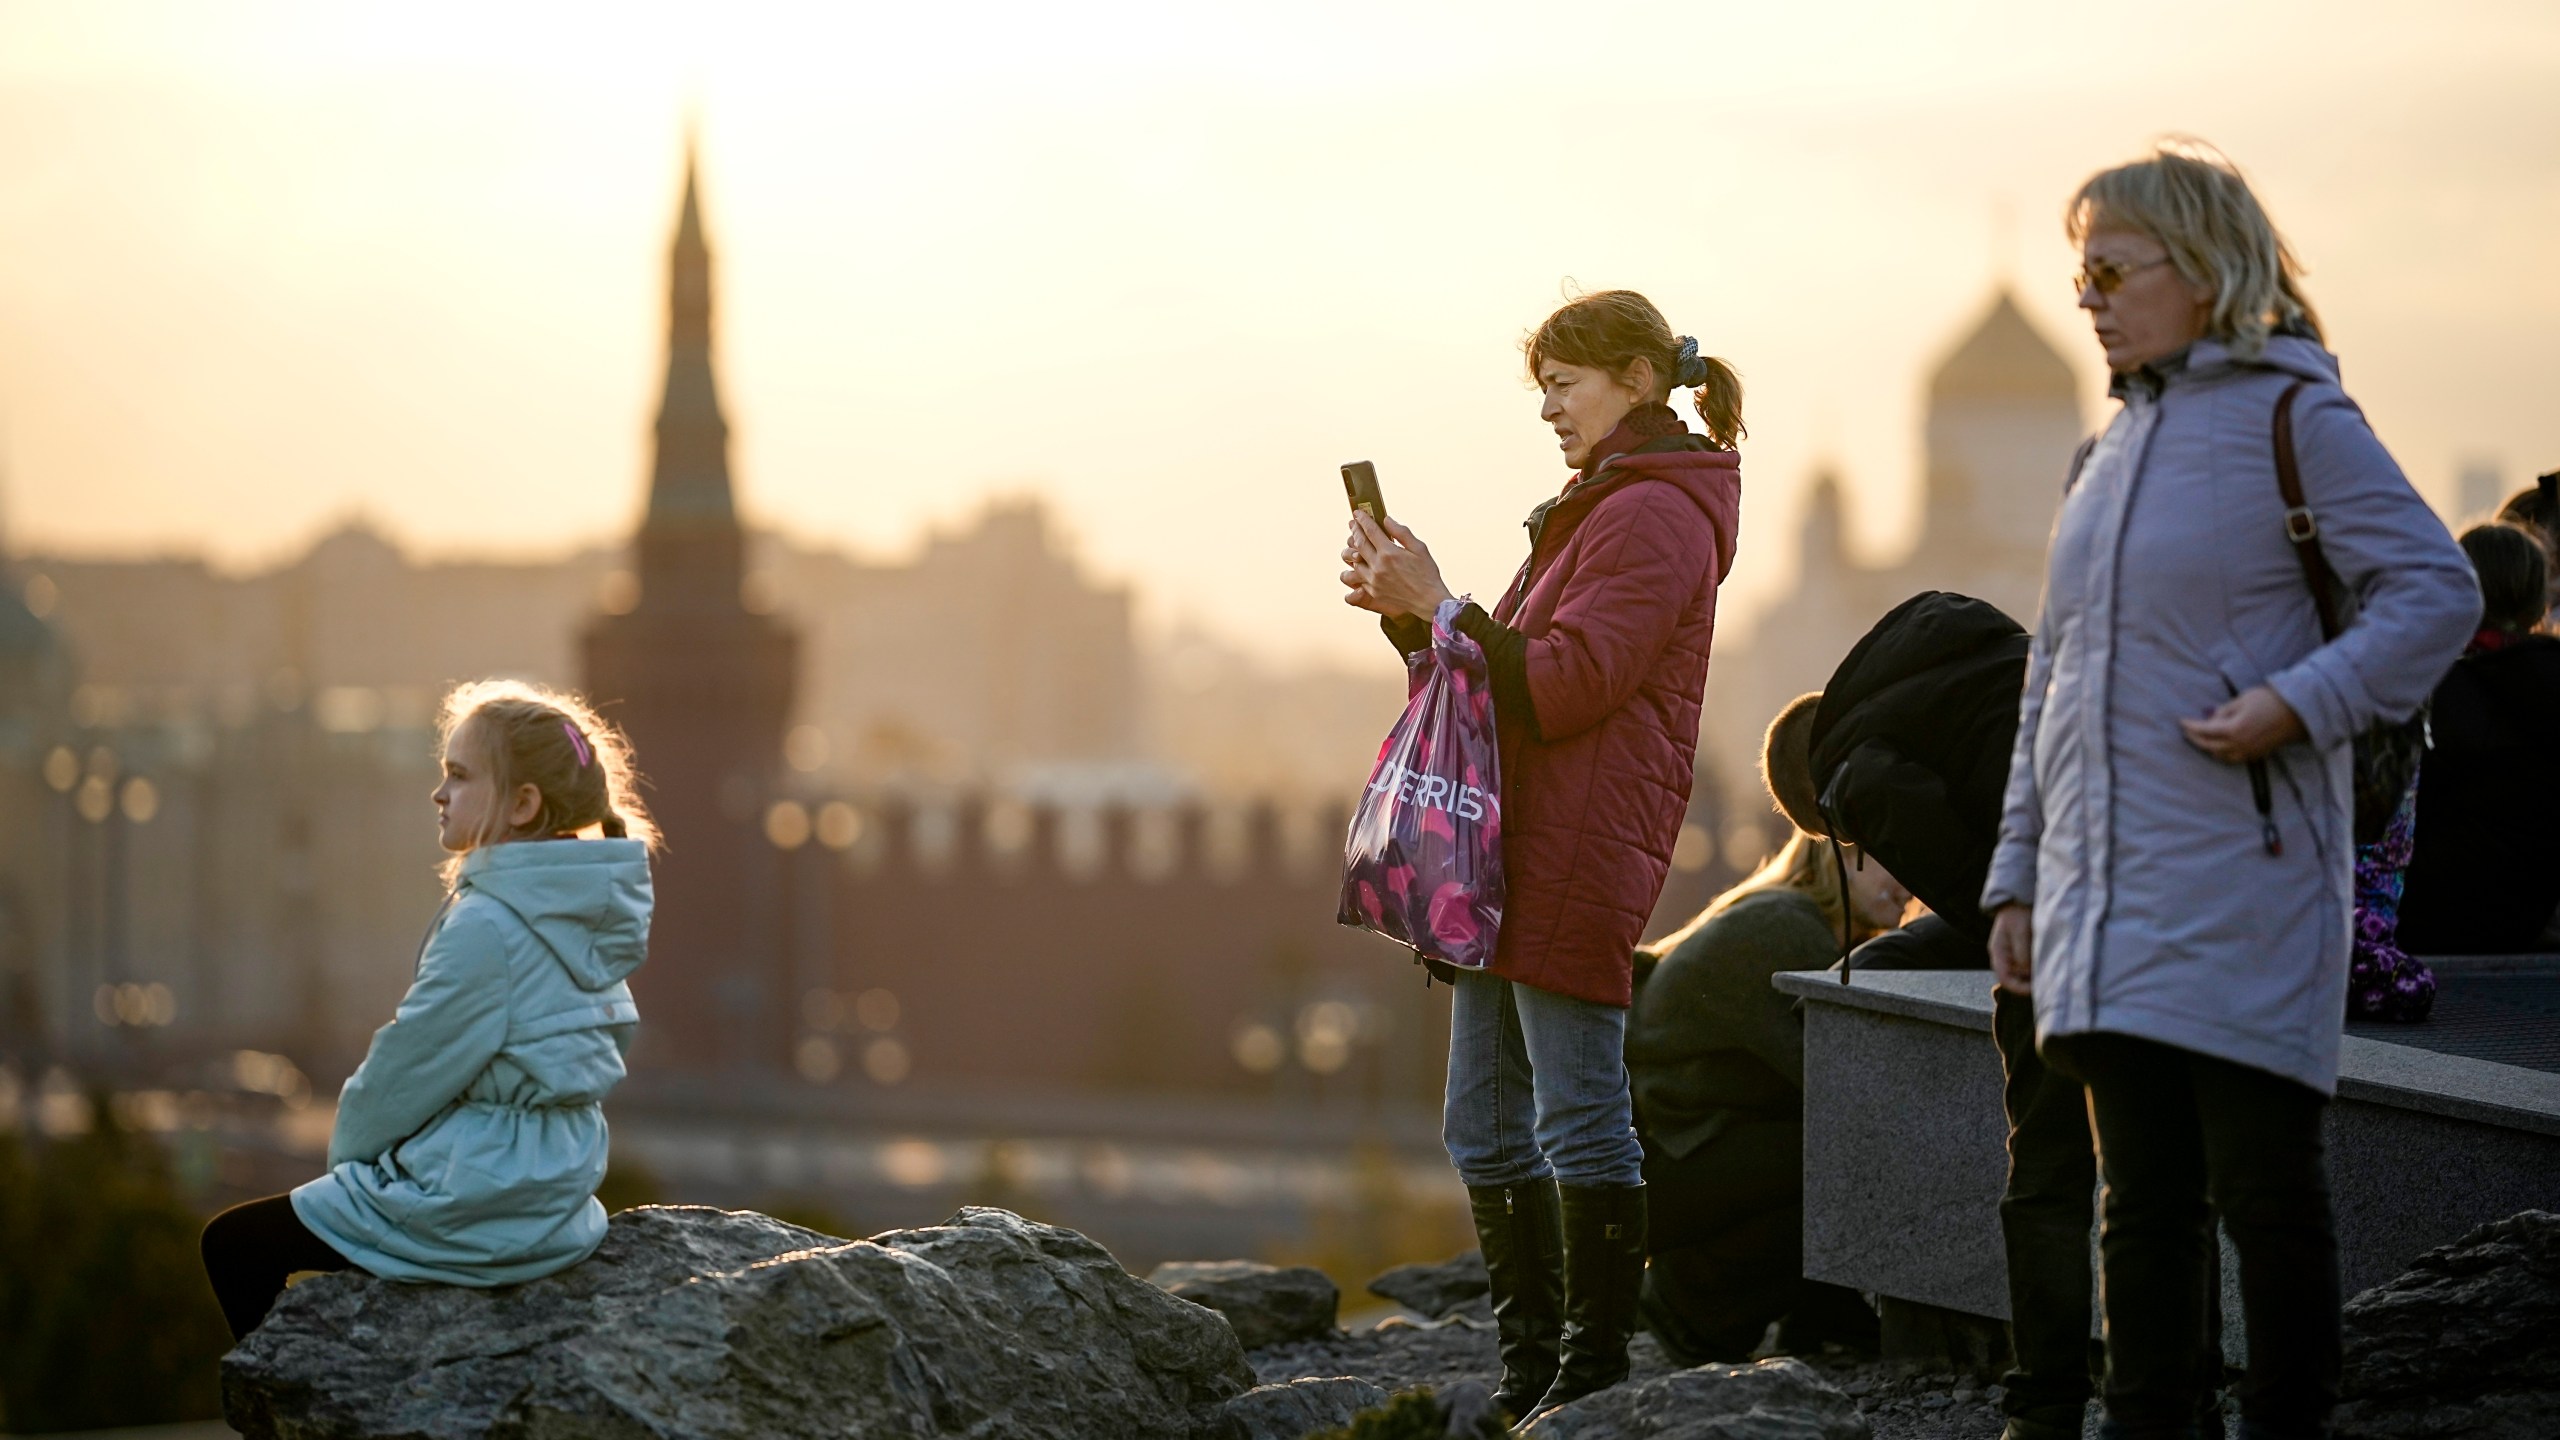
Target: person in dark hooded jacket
(2484,876)
(1597,661)
(1905,753)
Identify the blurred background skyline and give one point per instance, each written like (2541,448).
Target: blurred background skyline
(269,267)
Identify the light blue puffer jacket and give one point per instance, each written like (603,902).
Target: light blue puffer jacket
(469,1144)
(2169,589)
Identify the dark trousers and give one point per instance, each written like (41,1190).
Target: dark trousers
(2045,1212)
(1726,1244)
(249,1252)
(2182,1136)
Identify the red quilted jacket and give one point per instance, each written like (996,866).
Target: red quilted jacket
(1618,604)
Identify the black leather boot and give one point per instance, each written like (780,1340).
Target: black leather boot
(1604,1230)
(1523,1241)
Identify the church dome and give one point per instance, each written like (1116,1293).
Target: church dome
(2004,358)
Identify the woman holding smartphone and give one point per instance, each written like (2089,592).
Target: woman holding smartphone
(1598,660)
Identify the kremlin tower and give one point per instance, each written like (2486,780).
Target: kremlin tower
(703,686)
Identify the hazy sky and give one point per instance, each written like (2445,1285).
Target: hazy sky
(266,265)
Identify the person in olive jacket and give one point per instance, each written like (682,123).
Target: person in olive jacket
(1597,658)
(1717,1056)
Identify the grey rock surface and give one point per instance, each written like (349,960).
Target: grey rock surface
(1436,1290)
(2465,1343)
(1772,1400)
(1398,1354)
(1299,1408)
(698,1324)
(1267,1304)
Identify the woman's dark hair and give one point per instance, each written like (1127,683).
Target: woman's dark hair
(1612,329)
(2512,572)
(2536,507)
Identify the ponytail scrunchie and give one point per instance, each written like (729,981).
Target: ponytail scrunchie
(1693,367)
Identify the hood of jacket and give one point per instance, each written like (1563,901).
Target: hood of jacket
(1934,685)
(2289,352)
(1923,635)
(587,901)
(1711,478)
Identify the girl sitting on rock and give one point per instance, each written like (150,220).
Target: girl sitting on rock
(469,1144)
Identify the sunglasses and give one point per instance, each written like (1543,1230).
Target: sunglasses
(2107,277)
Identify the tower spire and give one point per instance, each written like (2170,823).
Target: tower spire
(690,546)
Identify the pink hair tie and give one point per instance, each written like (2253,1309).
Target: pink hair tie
(585,757)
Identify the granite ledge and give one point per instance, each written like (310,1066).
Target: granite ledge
(1961,998)
(2374,1072)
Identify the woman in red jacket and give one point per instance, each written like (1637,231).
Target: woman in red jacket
(1598,654)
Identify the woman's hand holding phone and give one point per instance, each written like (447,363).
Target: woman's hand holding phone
(1392,571)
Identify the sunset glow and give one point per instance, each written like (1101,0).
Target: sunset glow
(263,266)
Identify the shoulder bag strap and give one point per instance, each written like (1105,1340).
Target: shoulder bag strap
(2300,527)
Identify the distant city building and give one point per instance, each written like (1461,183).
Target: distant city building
(990,654)
(898,674)
(2003,419)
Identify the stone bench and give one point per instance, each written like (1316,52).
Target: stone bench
(1904,1139)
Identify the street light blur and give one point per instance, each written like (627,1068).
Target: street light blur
(1325,1032)
(839,825)
(787,825)
(139,1006)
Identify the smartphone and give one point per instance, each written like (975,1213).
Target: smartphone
(1360,482)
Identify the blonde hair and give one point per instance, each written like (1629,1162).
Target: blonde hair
(528,735)
(1803,865)
(2194,201)
(1610,329)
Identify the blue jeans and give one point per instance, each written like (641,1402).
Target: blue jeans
(1537,1086)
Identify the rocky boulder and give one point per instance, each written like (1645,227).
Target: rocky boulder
(1267,1304)
(2466,1343)
(700,1324)
(1773,1400)
(1436,1290)
(1299,1408)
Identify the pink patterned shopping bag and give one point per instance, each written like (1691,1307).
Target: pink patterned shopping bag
(1423,863)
